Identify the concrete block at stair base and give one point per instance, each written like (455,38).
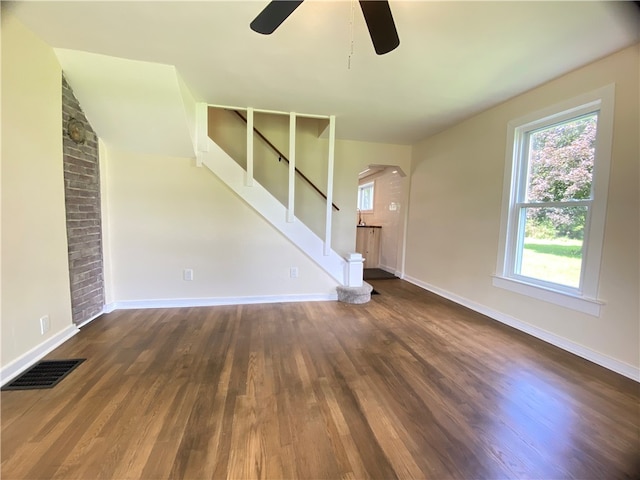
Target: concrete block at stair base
(355,295)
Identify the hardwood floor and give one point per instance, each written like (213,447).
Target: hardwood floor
(406,386)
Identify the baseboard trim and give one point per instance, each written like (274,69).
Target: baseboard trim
(391,270)
(89,320)
(216,301)
(580,350)
(19,365)
(109,307)
(387,269)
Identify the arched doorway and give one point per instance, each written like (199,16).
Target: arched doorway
(388,217)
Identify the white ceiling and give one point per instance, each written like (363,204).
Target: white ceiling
(455,58)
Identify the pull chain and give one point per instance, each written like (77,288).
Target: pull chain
(351,27)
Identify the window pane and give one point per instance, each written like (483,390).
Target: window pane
(365,197)
(561,161)
(551,249)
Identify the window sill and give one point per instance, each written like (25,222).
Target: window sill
(586,305)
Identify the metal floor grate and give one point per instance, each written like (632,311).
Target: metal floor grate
(44,374)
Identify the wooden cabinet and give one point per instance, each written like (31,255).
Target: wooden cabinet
(368,244)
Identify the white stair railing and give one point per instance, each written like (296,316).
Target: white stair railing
(347,272)
(332,147)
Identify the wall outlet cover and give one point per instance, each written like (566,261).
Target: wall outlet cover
(45,324)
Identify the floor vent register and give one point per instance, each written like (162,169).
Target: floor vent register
(44,374)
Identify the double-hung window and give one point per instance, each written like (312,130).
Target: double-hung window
(554,201)
(365,197)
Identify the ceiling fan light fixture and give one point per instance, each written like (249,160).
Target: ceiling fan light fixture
(377,15)
(382,28)
(273,15)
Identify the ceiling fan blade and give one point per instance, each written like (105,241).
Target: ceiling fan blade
(382,29)
(273,15)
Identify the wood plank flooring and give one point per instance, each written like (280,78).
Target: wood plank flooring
(406,386)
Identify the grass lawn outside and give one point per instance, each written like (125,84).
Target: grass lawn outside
(558,261)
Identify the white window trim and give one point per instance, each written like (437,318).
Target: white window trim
(584,299)
(373,192)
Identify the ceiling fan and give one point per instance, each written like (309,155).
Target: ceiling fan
(377,14)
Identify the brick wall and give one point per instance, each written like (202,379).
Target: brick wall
(82,200)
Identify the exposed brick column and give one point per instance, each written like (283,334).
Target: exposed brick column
(82,200)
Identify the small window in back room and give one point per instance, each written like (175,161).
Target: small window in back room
(365,197)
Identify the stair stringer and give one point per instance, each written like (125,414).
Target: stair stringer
(263,202)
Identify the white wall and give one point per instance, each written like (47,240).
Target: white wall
(140,106)
(166,215)
(454,216)
(35,274)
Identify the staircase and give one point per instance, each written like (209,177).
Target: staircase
(174,124)
(346,272)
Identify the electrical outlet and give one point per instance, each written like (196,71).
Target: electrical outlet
(188,274)
(44,324)
(293,272)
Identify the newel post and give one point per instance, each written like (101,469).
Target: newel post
(355,270)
